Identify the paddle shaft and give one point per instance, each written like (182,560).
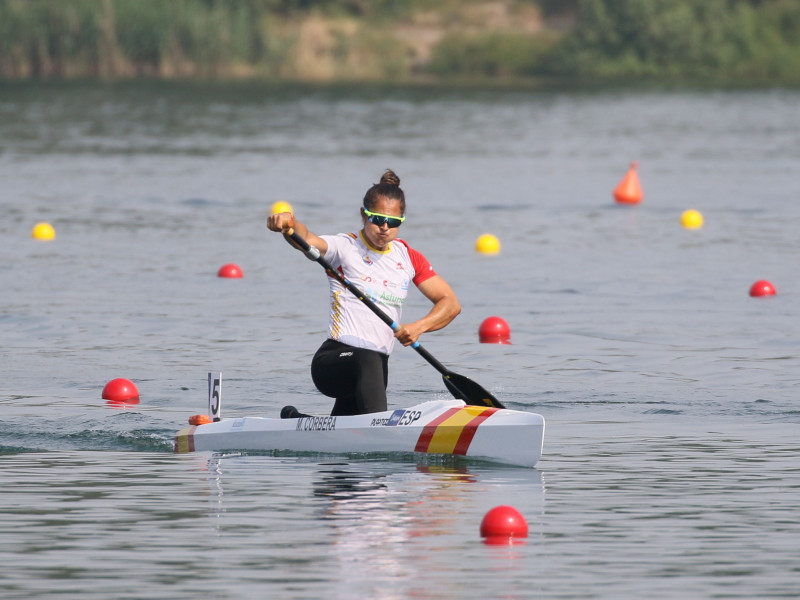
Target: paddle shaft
(450,378)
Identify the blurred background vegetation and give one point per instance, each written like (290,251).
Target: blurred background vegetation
(751,42)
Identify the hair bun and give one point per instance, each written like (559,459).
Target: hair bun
(389,177)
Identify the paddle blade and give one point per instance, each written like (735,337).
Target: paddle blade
(470,392)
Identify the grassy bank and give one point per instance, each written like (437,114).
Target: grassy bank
(402,40)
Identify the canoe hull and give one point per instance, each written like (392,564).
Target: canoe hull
(437,427)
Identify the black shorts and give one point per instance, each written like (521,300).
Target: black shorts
(356,377)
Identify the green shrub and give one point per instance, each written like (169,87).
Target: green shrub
(489,55)
(143,28)
(709,39)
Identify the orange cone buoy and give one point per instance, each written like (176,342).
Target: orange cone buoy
(762,287)
(503,525)
(629,191)
(231,271)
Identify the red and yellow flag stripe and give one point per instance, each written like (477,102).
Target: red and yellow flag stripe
(184,440)
(453,430)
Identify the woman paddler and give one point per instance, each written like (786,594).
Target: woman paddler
(351,365)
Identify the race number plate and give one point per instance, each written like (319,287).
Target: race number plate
(214,395)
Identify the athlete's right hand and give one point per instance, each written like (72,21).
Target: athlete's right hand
(280,222)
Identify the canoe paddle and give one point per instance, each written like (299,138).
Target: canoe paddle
(461,387)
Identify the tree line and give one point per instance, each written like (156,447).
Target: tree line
(751,41)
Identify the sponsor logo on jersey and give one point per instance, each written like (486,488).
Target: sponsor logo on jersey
(391,300)
(377,281)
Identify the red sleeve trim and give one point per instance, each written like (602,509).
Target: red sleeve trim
(422,268)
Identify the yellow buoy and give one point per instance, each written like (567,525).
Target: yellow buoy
(692,219)
(487,244)
(281,206)
(43,231)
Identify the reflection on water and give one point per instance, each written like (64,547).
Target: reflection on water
(384,530)
(363,504)
(346,486)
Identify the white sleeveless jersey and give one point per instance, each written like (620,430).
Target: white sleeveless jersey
(381,276)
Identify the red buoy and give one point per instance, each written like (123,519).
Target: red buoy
(503,524)
(230,270)
(762,287)
(629,191)
(121,390)
(494,330)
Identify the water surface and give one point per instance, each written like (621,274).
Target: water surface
(669,394)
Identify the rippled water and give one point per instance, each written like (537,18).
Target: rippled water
(669,467)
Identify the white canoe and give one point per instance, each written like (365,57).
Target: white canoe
(438,427)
